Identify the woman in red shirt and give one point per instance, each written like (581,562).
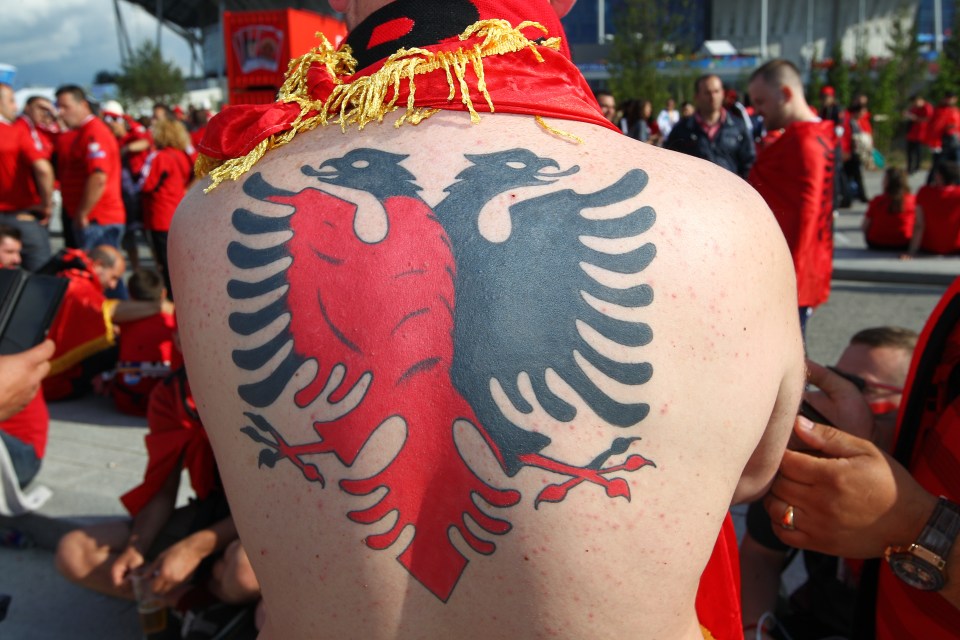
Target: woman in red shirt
(163,183)
(937,228)
(889,221)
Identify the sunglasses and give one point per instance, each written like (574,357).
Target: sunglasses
(862,385)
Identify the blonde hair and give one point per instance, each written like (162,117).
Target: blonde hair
(171,133)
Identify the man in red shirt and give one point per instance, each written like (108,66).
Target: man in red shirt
(794,173)
(943,134)
(88,164)
(39,118)
(135,145)
(918,115)
(26,184)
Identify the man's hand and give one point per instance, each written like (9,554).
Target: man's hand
(174,566)
(43,213)
(849,498)
(839,401)
(127,562)
(20,377)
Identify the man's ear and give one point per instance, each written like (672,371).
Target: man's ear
(787,93)
(562,7)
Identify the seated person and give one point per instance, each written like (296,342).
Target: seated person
(193,552)
(878,358)
(937,227)
(890,217)
(83,329)
(146,346)
(23,429)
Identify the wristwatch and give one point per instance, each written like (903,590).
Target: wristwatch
(921,564)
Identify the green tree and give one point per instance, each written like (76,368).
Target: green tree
(885,107)
(948,77)
(644,31)
(838,75)
(147,76)
(816,79)
(908,66)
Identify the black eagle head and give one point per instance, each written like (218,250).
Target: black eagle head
(512,169)
(376,172)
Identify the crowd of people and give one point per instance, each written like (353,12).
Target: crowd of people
(117,182)
(115,334)
(721,127)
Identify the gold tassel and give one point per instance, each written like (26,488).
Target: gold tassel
(365,100)
(557,132)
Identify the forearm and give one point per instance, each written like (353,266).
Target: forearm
(92,192)
(212,539)
(151,519)
(43,176)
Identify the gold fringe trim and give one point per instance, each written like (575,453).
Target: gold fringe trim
(557,132)
(369,99)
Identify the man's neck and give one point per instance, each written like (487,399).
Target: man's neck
(710,117)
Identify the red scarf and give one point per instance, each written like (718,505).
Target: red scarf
(484,56)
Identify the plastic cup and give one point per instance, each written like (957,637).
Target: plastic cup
(150,607)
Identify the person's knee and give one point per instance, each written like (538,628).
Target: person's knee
(234,576)
(73,557)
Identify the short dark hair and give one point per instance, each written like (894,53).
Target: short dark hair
(949,172)
(6,231)
(103,254)
(701,79)
(33,99)
(146,285)
(74,90)
(776,72)
(895,337)
(602,92)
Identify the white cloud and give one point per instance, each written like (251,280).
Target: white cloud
(58,41)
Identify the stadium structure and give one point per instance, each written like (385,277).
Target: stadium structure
(756,29)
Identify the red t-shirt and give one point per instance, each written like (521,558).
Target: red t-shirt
(43,139)
(146,357)
(946,121)
(90,148)
(794,173)
(941,216)
(137,159)
(31,425)
(18,191)
(888,228)
(918,128)
(164,183)
(176,440)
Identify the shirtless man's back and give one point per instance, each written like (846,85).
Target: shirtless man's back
(480,381)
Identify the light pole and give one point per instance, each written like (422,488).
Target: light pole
(938,24)
(601,22)
(764,20)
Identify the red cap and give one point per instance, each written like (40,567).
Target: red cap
(177,111)
(827,91)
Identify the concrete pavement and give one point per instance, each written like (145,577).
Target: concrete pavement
(95,454)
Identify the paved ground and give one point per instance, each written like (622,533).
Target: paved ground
(95,454)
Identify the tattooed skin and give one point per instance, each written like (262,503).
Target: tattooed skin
(433,309)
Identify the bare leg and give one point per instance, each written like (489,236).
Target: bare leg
(233,579)
(84,556)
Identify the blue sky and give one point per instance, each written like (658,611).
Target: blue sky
(53,42)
